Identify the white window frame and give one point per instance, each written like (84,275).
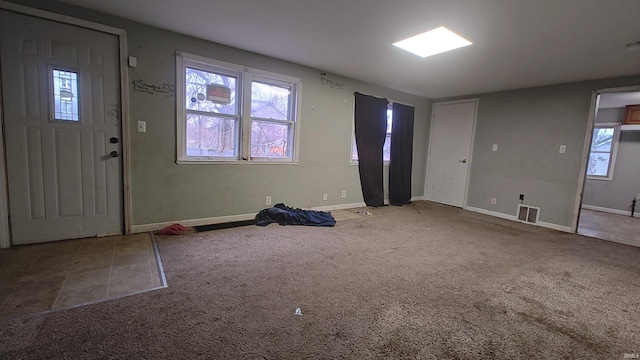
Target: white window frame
(353,146)
(52,100)
(612,153)
(292,118)
(245,76)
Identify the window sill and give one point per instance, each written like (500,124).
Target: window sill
(601,178)
(235,162)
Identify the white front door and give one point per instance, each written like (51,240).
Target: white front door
(60,89)
(449,157)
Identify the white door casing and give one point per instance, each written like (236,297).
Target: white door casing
(449,155)
(63,183)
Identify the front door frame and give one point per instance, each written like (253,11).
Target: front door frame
(5,235)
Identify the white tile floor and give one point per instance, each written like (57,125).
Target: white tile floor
(42,277)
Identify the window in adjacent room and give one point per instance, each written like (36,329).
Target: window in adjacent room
(230,113)
(604,145)
(386,149)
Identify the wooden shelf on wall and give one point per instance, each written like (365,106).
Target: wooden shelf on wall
(632,115)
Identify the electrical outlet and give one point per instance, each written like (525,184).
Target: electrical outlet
(344,194)
(267,200)
(324,196)
(493,201)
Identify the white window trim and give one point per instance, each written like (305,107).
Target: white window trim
(245,77)
(277,79)
(614,150)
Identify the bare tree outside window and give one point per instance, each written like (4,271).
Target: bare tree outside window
(234,114)
(208,134)
(602,145)
(271,120)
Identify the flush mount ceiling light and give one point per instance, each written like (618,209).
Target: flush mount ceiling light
(433,42)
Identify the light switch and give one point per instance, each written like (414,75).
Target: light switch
(142,126)
(495,147)
(563,149)
(133,61)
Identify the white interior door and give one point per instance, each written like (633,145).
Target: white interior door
(449,160)
(61,96)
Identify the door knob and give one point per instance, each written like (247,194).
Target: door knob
(464,161)
(114,154)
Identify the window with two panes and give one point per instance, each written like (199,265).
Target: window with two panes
(604,144)
(271,119)
(263,103)
(211,127)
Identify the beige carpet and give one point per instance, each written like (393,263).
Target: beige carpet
(341,215)
(416,282)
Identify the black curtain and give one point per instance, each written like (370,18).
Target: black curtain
(371,129)
(401,155)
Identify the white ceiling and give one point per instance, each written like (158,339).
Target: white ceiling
(618,100)
(517,43)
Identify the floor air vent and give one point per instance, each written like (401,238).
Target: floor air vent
(528,213)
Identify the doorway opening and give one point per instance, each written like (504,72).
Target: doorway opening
(612,169)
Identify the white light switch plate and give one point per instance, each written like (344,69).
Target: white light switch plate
(563,149)
(142,126)
(495,147)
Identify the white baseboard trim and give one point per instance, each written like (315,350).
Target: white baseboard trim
(228,219)
(611,211)
(492,213)
(553,226)
(338,207)
(192,222)
(514,218)
(415,198)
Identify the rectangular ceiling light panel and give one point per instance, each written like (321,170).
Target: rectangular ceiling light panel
(433,42)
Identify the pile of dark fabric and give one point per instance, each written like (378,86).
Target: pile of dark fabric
(284,215)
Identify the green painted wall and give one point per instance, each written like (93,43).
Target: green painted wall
(163,191)
(529,125)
